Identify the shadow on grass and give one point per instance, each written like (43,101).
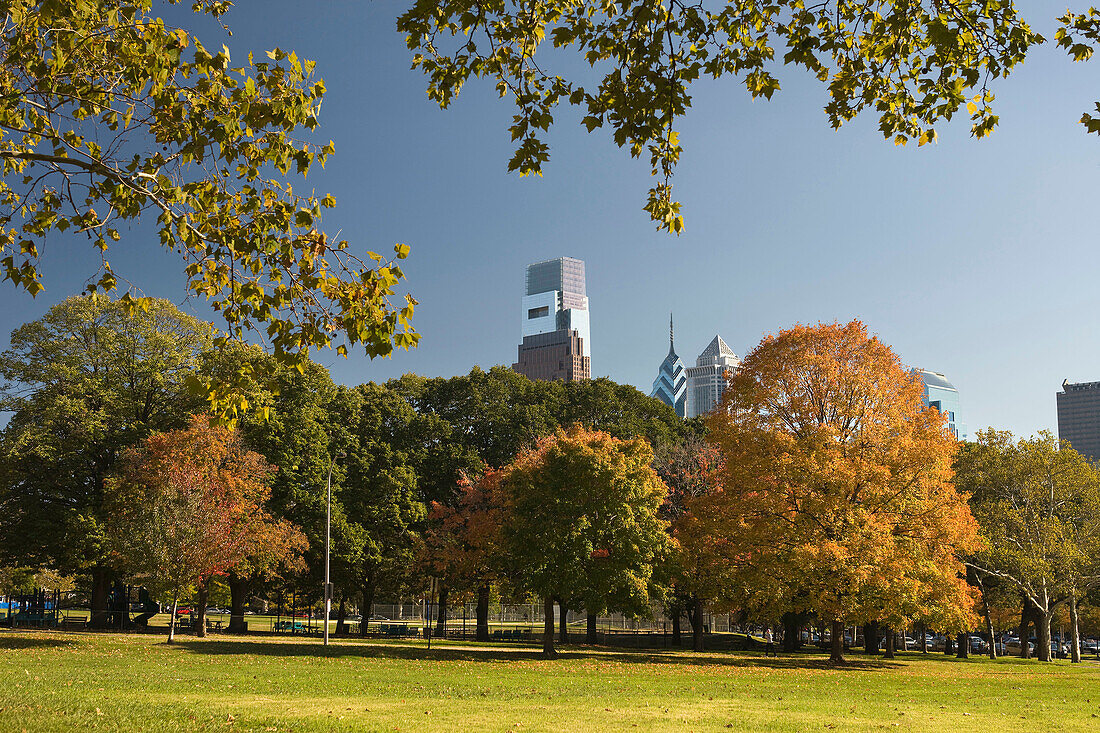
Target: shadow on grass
(17,642)
(369,650)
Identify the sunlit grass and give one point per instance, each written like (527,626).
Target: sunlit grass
(57,681)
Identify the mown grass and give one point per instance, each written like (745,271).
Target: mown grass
(56,681)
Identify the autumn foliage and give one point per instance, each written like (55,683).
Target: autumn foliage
(188,505)
(837,493)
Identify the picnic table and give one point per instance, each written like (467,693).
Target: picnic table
(397,630)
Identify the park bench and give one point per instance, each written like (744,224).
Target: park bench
(511,635)
(74,622)
(289,627)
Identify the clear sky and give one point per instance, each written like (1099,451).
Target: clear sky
(976,259)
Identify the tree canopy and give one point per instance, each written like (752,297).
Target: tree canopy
(837,495)
(190,504)
(1037,503)
(914,64)
(580,519)
(109,115)
(85,382)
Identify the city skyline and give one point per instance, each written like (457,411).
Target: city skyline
(953,253)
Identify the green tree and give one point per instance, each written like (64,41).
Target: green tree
(381,508)
(621,411)
(285,418)
(111,115)
(86,381)
(1037,503)
(484,419)
(580,519)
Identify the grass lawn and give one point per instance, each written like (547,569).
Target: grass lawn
(64,682)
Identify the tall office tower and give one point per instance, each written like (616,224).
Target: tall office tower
(942,395)
(1079,417)
(556,344)
(670,386)
(706,381)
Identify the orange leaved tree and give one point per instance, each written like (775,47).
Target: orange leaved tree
(462,542)
(837,486)
(188,505)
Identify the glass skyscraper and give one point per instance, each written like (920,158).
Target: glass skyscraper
(1079,417)
(554,322)
(942,395)
(706,381)
(670,386)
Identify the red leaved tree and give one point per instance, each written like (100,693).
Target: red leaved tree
(462,542)
(188,505)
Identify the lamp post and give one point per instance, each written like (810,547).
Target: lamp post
(328,539)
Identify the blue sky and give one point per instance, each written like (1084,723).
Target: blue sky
(976,259)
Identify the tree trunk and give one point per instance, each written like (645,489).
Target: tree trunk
(368,606)
(890,645)
(99,616)
(871,633)
(172,618)
(441,616)
(198,613)
(989,632)
(238,596)
(483,613)
(791,624)
(697,625)
(836,648)
(590,635)
(564,622)
(948,644)
(1025,625)
(1075,644)
(342,616)
(964,646)
(676,640)
(1042,629)
(548,626)
(923,638)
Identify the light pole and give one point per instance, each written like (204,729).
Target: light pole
(328,539)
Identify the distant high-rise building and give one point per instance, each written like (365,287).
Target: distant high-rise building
(1079,417)
(556,344)
(943,395)
(670,386)
(706,381)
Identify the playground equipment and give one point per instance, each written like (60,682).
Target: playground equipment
(149,608)
(37,609)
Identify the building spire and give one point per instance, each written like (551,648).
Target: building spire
(671,348)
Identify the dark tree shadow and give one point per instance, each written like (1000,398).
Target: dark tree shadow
(19,641)
(384,650)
